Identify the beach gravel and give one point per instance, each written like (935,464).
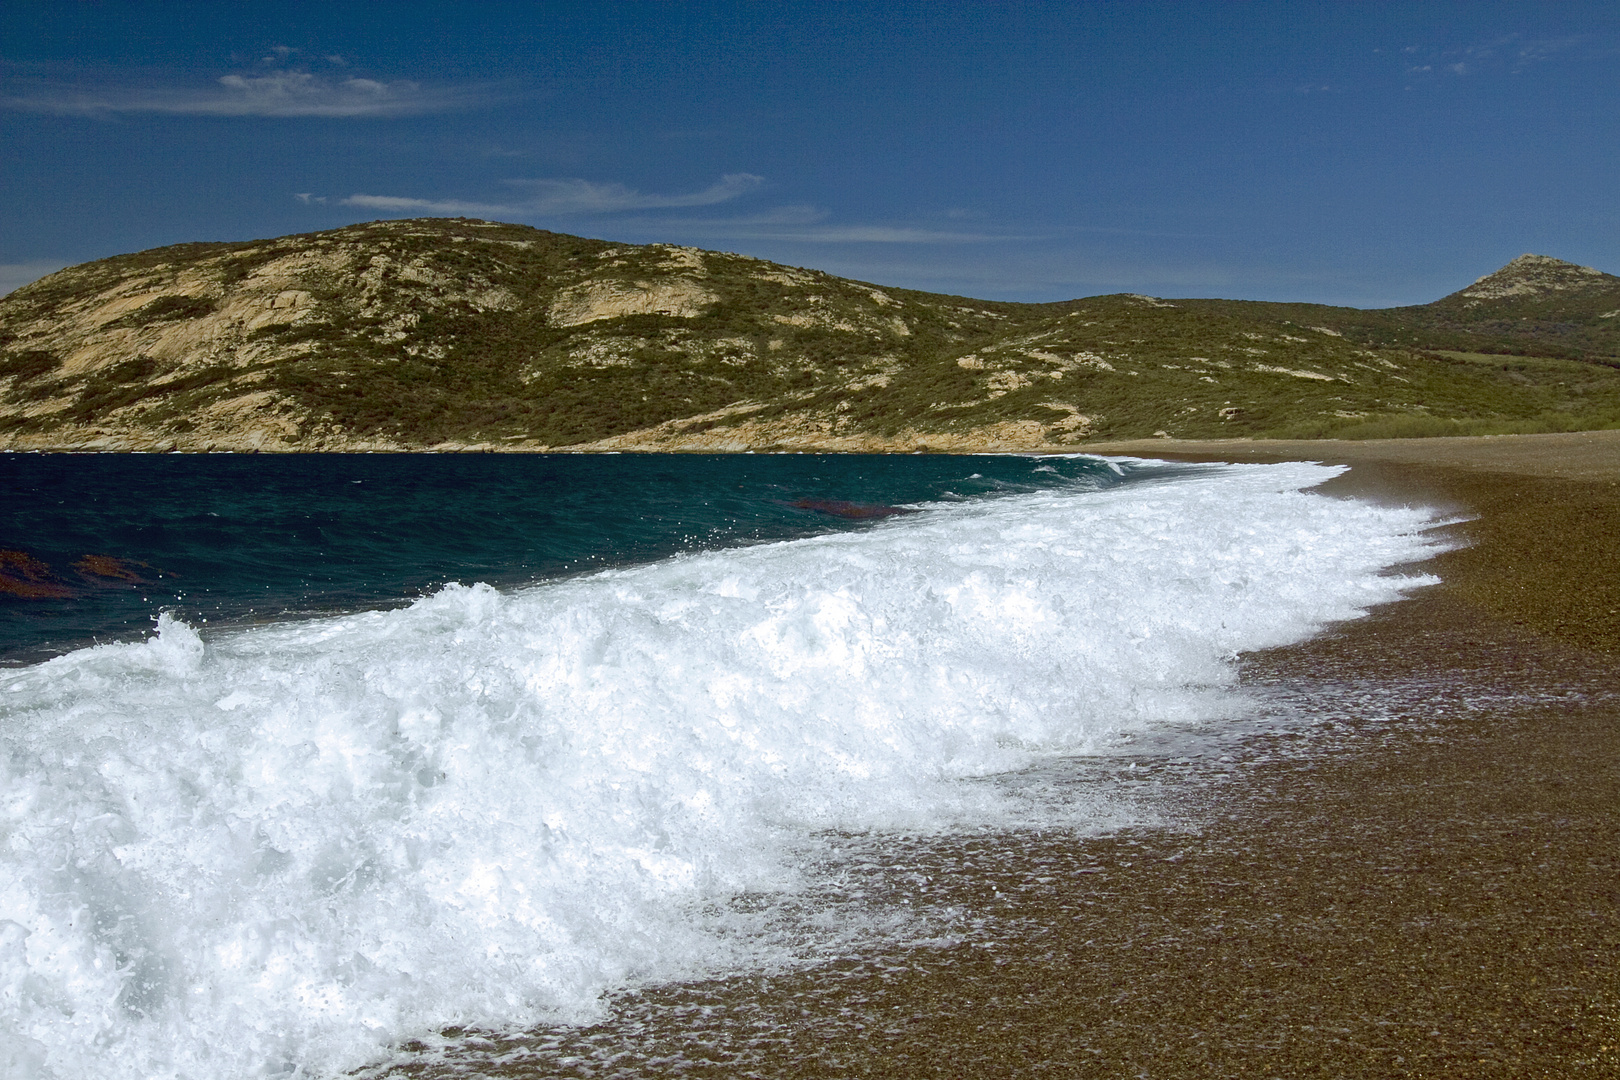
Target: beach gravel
(1418,875)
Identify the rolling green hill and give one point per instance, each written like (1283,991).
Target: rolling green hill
(458,334)
(1533,306)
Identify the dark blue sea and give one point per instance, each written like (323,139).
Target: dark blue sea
(93,547)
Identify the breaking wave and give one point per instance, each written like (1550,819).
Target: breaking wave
(278,850)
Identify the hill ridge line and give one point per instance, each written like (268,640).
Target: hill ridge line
(456,334)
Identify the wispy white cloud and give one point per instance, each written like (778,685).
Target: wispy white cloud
(584,197)
(833,233)
(801,223)
(1513,53)
(432,206)
(568,197)
(277,93)
(804,224)
(798,223)
(1537,52)
(789,223)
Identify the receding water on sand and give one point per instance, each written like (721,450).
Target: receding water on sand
(1233,917)
(293,848)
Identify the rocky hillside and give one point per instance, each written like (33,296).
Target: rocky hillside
(1533,306)
(461,334)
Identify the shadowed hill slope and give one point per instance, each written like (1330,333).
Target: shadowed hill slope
(455,333)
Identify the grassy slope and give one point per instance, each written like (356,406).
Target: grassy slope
(396,345)
(1578,322)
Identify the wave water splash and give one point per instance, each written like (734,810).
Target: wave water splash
(279,850)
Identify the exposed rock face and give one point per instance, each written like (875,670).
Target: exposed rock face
(454,334)
(1533,276)
(1535,305)
(680,298)
(224,320)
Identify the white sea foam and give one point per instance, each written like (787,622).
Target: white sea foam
(274,851)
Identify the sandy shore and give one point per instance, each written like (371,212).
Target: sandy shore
(1575,455)
(1419,876)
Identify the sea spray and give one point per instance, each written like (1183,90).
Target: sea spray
(277,850)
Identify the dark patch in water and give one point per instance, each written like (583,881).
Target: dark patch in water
(107,568)
(851,510)
(23,575)
(31,578)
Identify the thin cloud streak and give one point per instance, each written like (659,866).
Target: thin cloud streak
(434,206)
(566,197)
(584,197)
(277,94)
(837,234)
(805,224)
(1512,53)
(800,224)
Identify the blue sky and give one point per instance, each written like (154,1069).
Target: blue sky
(1357,153)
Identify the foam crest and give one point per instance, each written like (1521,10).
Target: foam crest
(277,850)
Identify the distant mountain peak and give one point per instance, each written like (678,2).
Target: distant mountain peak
(1532,276)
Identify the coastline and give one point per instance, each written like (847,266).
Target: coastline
(1413,873)
(1426,884)
(1569,455)
(1010,438)
(1541,551)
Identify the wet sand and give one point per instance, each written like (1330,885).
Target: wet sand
(1414,872)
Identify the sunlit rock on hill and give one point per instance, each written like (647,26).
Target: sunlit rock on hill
(1534,275)
(462,334)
